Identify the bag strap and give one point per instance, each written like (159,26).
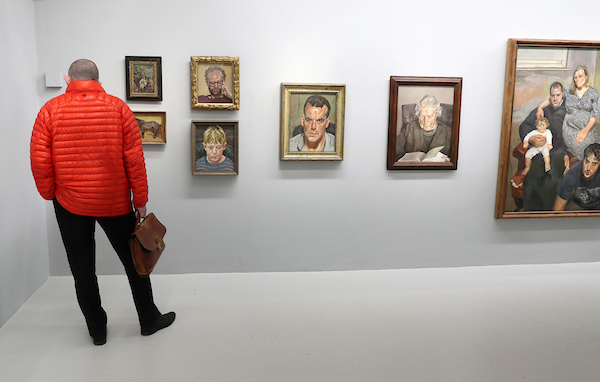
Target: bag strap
(138,218)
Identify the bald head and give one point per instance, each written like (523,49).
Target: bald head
(83,70)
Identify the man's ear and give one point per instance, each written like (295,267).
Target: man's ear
(67,80)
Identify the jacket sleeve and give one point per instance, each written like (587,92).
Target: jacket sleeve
(40,152)
(133,156)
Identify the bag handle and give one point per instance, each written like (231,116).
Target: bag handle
(138,219)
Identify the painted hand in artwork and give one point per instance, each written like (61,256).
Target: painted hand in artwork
(226,92)
(540,113)
(581,135)
(536,141)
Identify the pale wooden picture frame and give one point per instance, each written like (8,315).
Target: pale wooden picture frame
(153,126)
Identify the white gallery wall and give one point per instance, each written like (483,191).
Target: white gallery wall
(314,216)
(23,235)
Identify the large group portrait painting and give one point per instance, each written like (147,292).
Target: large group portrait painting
(550,150)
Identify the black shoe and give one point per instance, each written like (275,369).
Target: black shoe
(99,339)
(161,323)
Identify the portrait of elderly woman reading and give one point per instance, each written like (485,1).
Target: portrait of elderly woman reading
(426,138)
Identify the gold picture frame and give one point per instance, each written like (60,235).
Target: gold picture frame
(153,126)
(540,73)
(223,93)
(328,136)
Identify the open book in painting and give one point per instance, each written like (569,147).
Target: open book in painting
(433,155)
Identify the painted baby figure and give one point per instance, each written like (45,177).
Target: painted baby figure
(541,125)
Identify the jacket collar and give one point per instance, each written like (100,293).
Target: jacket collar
(85,86)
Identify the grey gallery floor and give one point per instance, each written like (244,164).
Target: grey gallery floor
(507,323)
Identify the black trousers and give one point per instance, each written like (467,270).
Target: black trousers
(77,233)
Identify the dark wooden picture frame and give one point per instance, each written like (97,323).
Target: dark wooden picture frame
(153,126)
(143,78)
(201,164)
(407,139)
(228,88)
(536,70)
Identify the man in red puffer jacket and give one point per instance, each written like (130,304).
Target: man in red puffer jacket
(86,156)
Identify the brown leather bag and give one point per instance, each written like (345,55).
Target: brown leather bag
(147,244)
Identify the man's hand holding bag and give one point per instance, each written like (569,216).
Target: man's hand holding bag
(147,243)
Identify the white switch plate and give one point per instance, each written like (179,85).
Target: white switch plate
(54,79)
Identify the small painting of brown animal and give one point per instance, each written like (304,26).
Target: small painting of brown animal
(152,126)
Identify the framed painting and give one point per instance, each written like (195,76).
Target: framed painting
(153,126)
(215,147)
(143,78)
(550,146)
(215,82)
(424,122)
(312,122)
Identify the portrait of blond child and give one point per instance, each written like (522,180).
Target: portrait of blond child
(541,128)
(214,143)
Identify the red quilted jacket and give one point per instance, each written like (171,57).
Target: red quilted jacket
(86,151)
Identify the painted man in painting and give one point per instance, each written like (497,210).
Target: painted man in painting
(539,186)
(580,189)
(314,121)
(426,132)
(215,81)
